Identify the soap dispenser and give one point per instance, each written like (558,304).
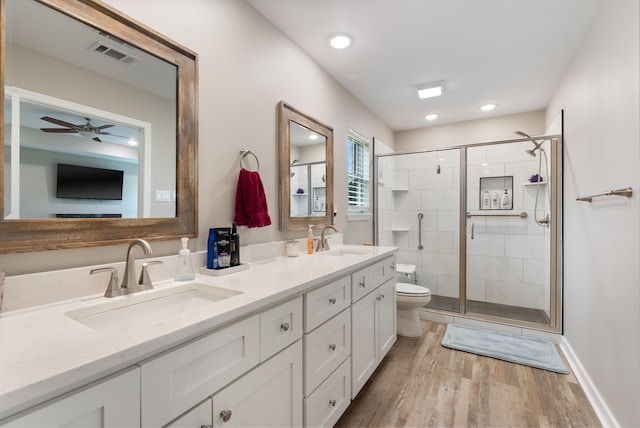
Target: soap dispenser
(506,200)
(310,239)
(184,270)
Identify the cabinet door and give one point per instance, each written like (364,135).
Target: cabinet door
(178,380)
(198,417)
(364,340)
(270,395)
(110,403)
(387,317)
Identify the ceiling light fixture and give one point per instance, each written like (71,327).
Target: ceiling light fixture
(431,89)
(132,142)
(340,41)
(488,107)
(313,137)
(431,116)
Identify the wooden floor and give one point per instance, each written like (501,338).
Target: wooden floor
(423,384)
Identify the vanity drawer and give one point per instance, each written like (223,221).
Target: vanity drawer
(325,349)
(178,380)
(326,301)
(327,403)
(280,327)
(368,279)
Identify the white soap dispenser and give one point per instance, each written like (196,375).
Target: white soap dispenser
(184,270)
(506,200)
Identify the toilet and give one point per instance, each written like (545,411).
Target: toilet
(409,297)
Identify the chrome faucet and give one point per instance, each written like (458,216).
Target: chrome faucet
(129,283)
(323,245)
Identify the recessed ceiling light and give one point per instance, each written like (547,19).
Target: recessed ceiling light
(488,107)
(431,89)
(431,116)
(340,41)
(132,142)
(313,137)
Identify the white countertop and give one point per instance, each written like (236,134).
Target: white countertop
(44,353)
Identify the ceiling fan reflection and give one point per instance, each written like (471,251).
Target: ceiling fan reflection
(86,130)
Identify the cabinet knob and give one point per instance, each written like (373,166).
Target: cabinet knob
(225,415)
(284,326)
(392,267)
(332,403)
(332,300)
(378,298)
(332,346)
(362,283)
(382,296)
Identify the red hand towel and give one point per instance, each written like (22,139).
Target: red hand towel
(251,202)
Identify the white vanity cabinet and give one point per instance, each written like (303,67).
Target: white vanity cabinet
(174,382)
(373,321)
(327,350)
(110,403)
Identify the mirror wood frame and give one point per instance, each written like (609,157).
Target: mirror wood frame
(36,235)
(287,114)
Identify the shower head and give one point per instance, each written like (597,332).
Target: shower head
(531,152)
(293,162)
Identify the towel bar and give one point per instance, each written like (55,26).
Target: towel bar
(628,192)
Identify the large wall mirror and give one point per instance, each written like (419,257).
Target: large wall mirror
(99,129)
(306,169)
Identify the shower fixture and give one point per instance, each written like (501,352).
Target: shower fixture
(544,222)
(538,146)
(293,162)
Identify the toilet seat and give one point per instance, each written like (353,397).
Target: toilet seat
(409,290)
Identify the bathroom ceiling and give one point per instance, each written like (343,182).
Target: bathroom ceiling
(512,53)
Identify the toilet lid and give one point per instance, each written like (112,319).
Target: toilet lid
(411,289)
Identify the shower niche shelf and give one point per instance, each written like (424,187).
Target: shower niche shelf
(493,188)
(542,183)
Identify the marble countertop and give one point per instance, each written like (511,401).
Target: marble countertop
(44,353)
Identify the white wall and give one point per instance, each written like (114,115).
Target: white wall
(494,128)
(246,66)
(599,95)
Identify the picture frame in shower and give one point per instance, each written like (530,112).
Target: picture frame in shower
(498,190)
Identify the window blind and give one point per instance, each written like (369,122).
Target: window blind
(358,174)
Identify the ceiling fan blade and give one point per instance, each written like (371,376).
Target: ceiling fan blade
(102,127)
(58,130)
(97,139)
(58,121)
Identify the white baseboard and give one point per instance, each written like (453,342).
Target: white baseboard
(599,406)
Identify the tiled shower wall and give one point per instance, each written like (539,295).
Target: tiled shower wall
(508,259)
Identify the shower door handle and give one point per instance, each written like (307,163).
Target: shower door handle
(420,246)
(473,226)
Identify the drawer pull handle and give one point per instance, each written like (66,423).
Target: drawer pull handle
(284,326)
(392,266)
(332,346)
(332,403)
(225,415)
(362,283)
(332,300)
(382,296)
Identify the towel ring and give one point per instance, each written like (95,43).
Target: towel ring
(245,152)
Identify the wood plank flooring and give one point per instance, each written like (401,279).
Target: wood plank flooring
(423,384)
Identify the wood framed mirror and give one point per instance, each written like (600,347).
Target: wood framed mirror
(306,169)
(173,135)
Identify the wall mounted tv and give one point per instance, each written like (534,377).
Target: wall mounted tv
(81,182)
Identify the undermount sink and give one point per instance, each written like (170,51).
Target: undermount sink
(137,310)
(346,252)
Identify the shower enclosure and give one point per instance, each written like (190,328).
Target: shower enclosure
(482,225)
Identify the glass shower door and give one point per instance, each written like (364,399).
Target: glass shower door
(507,252)
(418,211)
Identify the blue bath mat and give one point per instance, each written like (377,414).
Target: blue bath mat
(529,351)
